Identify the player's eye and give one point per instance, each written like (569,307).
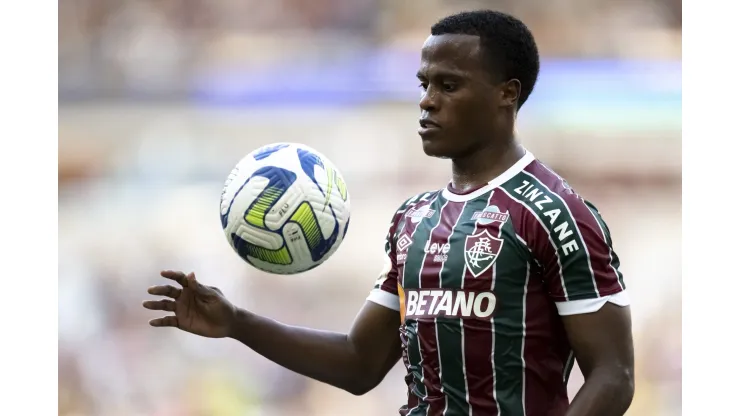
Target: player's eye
(423,86)
(449,86)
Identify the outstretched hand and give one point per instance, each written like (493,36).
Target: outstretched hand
(198,309)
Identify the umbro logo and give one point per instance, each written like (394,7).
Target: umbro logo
(403,243)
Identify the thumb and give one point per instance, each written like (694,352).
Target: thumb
(202,290)
(192,283)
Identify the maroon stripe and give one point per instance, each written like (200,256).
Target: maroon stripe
(545,346)
(409,228)
(546,349)
(412,400)
(479,338)
(537,238)
(389,285)
(427,330)
(438,240)
(550,179)
(607,280)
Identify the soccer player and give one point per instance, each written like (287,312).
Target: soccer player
(498,281)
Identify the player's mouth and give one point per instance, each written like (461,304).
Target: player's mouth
(427,126)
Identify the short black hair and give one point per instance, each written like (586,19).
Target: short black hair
(507,44)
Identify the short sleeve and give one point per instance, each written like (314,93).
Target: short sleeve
(385,291)
(580,267)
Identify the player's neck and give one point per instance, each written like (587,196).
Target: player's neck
(481,166)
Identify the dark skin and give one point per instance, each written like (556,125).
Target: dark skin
(356,362)
(467,116)
(474,114)
(602,343)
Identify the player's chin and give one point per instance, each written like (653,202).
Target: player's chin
(436,148)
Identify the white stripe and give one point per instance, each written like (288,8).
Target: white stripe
(524,340)
(403,283)
(403,275)
(521,240)
(465,370)
(603,232)
(568,363)
(436,329)
(423,260)
(578,229)
(421,270)
(462,340)
(547,231)
(462,328)
(606,242)
(493,335)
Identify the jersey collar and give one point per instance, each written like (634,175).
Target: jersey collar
(493,183)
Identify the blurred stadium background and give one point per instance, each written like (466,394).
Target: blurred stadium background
(158,99)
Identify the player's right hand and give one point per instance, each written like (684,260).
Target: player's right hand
(199,309)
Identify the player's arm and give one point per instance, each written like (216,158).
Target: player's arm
(585,282)
(355,362)
(602,343)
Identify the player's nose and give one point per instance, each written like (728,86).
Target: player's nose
(428,101)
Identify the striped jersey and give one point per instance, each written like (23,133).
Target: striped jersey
(481,280)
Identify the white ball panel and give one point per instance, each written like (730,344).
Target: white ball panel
(278,232)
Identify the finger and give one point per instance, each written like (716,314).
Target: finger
(160,305)
(165,321)
(166,290)
(190,281)
(177,276)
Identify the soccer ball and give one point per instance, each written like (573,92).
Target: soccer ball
(285,208)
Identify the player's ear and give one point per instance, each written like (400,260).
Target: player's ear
(509,93)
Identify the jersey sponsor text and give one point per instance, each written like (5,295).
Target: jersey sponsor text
(453,303)
(562,231)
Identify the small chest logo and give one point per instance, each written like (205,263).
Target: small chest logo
(481,251)
(417,215)
(402,245)
(438,251)
(490,215)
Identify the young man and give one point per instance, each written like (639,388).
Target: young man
(498,281)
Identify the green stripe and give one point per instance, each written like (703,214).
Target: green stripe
(411,280)
(551,210)
(509,327)
(449,336)
(449,330)
(454,268)
(608,237)
(415,368)
(393,234)
(415,253)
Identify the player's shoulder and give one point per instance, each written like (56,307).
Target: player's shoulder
(551,198)
(416,201)
(541,176)
(413,203)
